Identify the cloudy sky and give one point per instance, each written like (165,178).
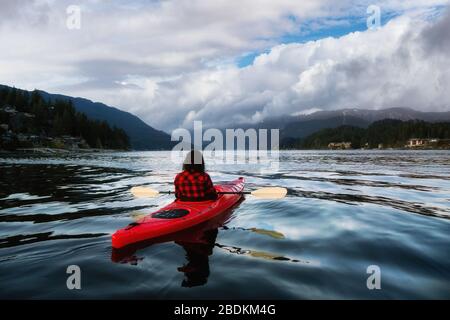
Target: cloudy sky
(224,61)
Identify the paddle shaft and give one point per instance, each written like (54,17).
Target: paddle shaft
(219,192)
(263,193)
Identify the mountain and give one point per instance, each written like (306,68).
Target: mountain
(404,114)
(301,126)
(142,136)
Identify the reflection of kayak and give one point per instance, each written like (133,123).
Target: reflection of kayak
(178,216)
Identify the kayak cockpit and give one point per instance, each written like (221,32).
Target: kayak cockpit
(170,213)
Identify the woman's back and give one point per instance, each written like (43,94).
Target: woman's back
(193,183)
(194,186)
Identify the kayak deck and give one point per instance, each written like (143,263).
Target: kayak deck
(179,215)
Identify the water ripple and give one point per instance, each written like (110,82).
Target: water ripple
(345,210)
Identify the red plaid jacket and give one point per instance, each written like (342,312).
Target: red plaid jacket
(194,186)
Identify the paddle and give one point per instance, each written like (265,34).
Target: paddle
(262,193)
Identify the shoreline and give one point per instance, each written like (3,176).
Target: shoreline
(56,151)
(375,149)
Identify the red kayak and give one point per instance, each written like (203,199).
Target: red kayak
(179,215)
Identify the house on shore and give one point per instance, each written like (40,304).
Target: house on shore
(339,145)
(8,109)
(427,143)
(74,143)
(415,143)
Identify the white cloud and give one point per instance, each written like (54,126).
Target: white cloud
(172,62)
(389,67)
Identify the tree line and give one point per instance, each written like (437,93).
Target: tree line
(57,118)
(389,133)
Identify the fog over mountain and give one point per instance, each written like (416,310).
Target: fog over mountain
(145,137)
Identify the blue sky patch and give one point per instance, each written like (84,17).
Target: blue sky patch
(316,30)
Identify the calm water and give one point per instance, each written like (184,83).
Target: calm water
(344,212)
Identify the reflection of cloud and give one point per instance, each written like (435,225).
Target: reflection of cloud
(306,228)
(346,224)
(179,57)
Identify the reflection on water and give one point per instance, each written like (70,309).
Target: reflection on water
(45,236)
(270,233)
(355,199)
(198,243)
(196,270)
(256,254)
(345,210)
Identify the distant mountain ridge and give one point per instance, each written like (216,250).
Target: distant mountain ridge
(142,136)
(404,114)
(301,126)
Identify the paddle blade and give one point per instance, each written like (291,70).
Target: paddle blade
(270,193)
(144,192)
(270,233)
(137,216)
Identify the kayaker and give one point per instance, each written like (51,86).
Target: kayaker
(193,183)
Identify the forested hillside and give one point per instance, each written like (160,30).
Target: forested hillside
(388,133)
(27,119)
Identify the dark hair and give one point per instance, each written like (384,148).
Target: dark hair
(194,162)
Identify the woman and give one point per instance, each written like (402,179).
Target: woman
(193,183)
